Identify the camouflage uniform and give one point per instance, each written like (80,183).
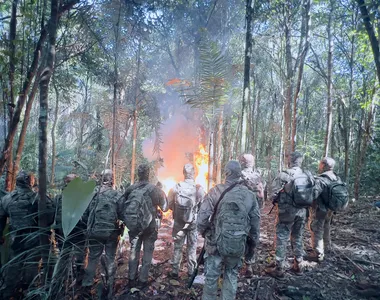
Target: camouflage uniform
(255,184)
(109,241)
(213,260)
(149,236)
(320,215)
(185,231)
(75,243)
(290,220)
(21,207)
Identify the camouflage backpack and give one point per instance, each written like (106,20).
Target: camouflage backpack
(138,208)
(102,221)
(185,202)
(253,181)
(300,188)
(336,198)
(232,223)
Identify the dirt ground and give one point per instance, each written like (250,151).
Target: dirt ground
(351,270)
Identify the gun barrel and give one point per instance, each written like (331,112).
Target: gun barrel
(199,262)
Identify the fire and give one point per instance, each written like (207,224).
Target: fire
(201,164)
(201,159)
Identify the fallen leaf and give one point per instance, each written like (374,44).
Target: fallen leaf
(134,290)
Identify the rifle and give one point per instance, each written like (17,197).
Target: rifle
(199,262)
(201,255)
(275,200)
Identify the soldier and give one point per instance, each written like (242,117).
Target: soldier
(75,242)
(21,207)
(140,206)
(290,219)
(184,200)
(225,222)
(105,213)
(320,213)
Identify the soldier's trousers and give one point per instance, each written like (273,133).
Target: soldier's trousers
(290,223)
(96,247)
(191,248)
(320,221)
(147,240)
(213,270)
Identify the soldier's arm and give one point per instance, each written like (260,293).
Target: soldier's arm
(159,198)
(206,210)
(200,196)
(278,184)
(318,187)
(171,198)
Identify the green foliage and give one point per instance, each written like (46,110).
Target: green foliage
(75,199)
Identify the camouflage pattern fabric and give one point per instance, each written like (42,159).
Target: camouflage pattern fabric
(191,237)
(320,215)
(148,237)
(190,233)
(147,240)
(213,261)
(290,220)
(213,270)
(109,243)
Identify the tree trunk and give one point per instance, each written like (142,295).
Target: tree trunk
(22,136)
(115,100)
(247,66)
(53,150)
(371,35)
(288,87)
(365,139)
(43,125)
(329,82)
(133,164)
(303,54)
(219,149)
(211,158)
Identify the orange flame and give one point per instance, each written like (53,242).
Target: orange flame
(201,164)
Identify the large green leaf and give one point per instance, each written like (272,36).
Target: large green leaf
(75,199)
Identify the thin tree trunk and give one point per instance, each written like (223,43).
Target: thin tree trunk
(289,79)
(255,138)
(133,164)
(43,125)
(115,100)
(53,150)
(304,36)
(22,136)
(371,35)
(247,67)
(211,158)
(365,139)
(329,82)
(219,149)
(11,104)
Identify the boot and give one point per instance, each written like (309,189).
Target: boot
(277,271)
(173,275)
(249,271)
(297,267)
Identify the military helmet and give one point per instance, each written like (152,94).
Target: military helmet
(188,171)
(232,170)
(247,161)
(107,175)
(143,172)
(328,164)
(25,179)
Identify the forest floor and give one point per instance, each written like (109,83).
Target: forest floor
(351,270)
